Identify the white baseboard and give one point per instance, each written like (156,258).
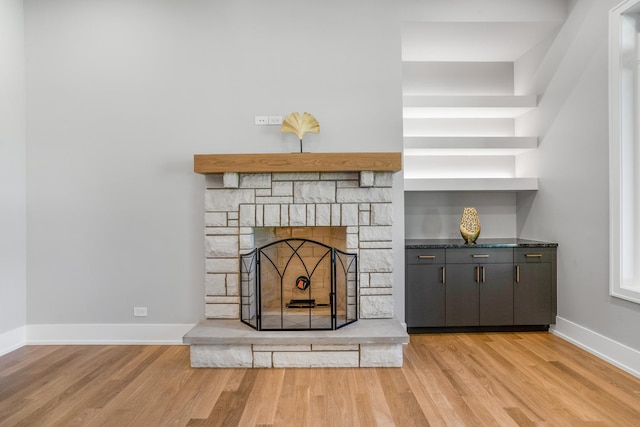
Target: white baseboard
(106,334)
(620,355)
(12,340)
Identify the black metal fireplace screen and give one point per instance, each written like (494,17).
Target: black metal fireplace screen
(298,284)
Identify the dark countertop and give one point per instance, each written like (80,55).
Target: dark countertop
(480,243)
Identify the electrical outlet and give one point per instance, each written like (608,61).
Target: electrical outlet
(275,120)
(261,120)
(139,311)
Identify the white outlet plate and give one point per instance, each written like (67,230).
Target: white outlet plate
(275,120)
(261,120)
(140,311)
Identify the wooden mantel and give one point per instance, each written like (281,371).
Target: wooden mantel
(297,162)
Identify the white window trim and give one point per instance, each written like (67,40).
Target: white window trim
(624,189)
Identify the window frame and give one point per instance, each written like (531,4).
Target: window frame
(624,146)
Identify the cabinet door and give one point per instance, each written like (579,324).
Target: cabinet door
(496,295)
(532,294)
(462,295)
(425,295)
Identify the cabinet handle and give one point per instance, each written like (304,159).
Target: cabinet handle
(477,274)
(444,275)
(484,274)
(480,256)
(533,255)
(426,256)
(517,274)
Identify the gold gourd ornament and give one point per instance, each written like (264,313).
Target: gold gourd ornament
(470,225)
(293,123)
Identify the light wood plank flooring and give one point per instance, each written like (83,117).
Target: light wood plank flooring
(492,379)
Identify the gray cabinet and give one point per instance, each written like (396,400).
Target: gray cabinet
(534,293)
(481,287)
(425,287)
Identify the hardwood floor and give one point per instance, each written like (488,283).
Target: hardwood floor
(503,379)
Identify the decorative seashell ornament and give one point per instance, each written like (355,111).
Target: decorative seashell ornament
(470,225)
(293,123)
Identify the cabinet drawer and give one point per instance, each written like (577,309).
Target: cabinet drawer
(479,255)
(522,255)
(424,256)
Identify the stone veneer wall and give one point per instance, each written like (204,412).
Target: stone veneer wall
(237,203)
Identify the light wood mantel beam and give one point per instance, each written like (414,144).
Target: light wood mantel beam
(297,162)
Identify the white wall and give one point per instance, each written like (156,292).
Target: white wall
(436,215)
(12,170)
(571,205)
(122,94)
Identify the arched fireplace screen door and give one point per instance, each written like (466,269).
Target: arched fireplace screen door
(298,284)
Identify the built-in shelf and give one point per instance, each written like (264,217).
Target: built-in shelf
(471,184)
(465,146)
(421,106)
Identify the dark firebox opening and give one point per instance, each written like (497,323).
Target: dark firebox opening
(298,284)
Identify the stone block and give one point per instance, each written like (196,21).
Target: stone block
(262,359)
(361,195)
(215,284)
(381,214)
(222,265)
(314,192)
(323,215)
(297,215)
(376,260)
(271,215)
(316,359)
(215,219)
(381,355)
(364,218)
(364,280)
(347,184)
(383,179)
(375,233)
(336,214)
(259,215)
(255,180)
(221,356)
(349,214)
(311,215)
(233,284)
(221,246)
(366,179)
(381,280)
(247,215)
(376,307)
(263,192)
(352,242)
(284,215)
(222,311)
(227,200)
(246,242)
(231,180)
(233,215)
(284,188)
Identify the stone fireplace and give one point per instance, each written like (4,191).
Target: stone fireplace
(251,200)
